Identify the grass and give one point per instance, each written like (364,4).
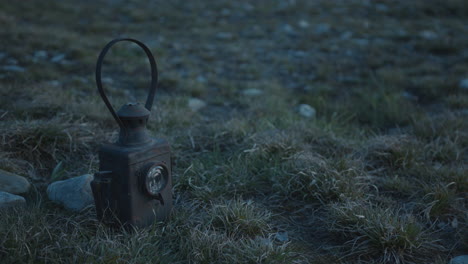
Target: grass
(378,176)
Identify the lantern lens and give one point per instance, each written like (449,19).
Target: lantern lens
(156,179)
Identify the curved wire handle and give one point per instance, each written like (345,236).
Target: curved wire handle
(154,76)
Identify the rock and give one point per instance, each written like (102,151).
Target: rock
(463,84)
(40,55)
(282,236)
(224,35)
(306,110)
(13,183)
(288,29)
(13,68)
(459,260)
(303,24)
(74,194)
(201,79)
(427,34)
(196,104)
(346,35)
(2,55)
(409,96)
(58,58)
(381,8)
(10,200)
(252,92)
(321,29)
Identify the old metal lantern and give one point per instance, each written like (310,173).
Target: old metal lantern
(134,185)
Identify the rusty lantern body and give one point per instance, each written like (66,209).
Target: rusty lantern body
(134,185)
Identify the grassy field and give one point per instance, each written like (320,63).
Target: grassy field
(379,175)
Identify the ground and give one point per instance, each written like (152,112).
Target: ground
(378,175)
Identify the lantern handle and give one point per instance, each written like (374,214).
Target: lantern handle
(154,76)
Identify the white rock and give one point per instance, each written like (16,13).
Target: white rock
(460,260)
(381,8)
(196,104)
(282,236)
(74,194)
(346,35)
(224,35)
(13,68)
(463,84)
(288,29)
(58,58)
(201,79)
(322,28)
(252,92)
(427,34)
(10,200)
(306,110)
(303,24)
(13,183)
(40,55)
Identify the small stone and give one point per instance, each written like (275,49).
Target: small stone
(381,8)
(321,29)
(427,34)
(282,236)
(57,58)
(13,68)
(196,104)
(74,194)
(10,200)
(288,29)
(201,79)
(303,24)
(306,110)
(54,83)
(40,55)
(13,183)
(107,80)
(252,92)
(409,96)
(346,35)
(224,35)
(463,84)
(463,259)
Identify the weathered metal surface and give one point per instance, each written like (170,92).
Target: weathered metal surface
(134,184)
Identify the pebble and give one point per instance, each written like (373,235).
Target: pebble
(381,8)
(427,34)
(303,24)
(40,54)
(13,183)
(252,92)
(321,29)
(282,236)
(13,68)
(196,104)
(459,260)
(288,29)
(57,58)
(346,35)
(74,194)
(10,200)
(463,84)
(306,110)
(224,35)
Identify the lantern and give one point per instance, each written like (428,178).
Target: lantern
(134,185)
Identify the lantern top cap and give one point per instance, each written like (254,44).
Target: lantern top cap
(133,111)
